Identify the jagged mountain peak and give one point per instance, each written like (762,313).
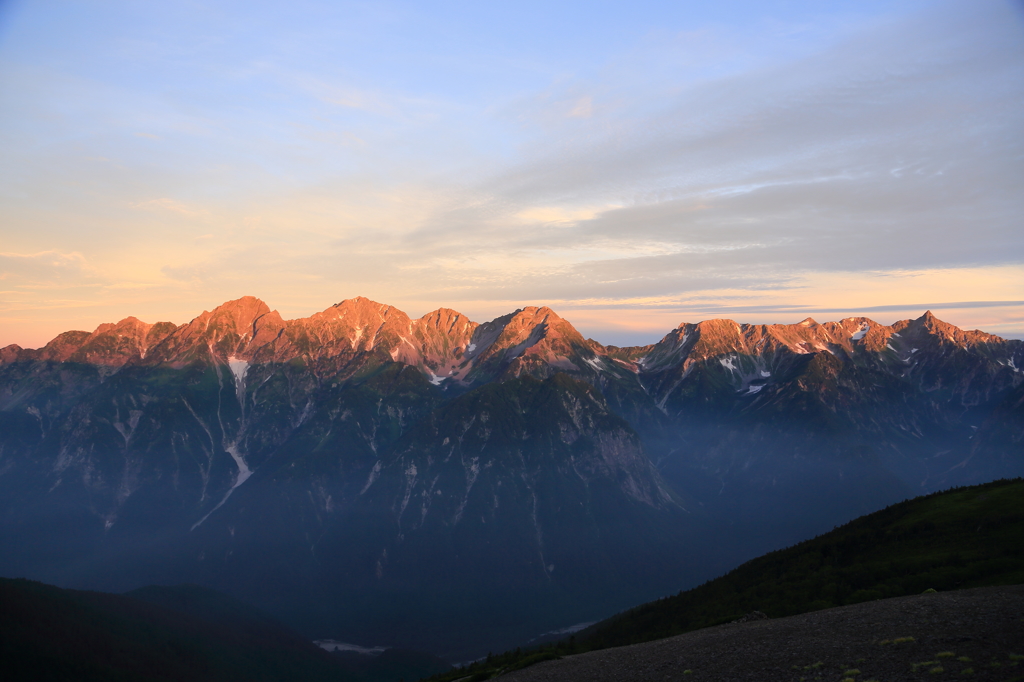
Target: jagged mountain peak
(443,335)
(930,324)
(60,348)
(10,353)
(529,321)
(535,311)
(713,338)
(444,317)
(121,342)
(356,324)
(448,323)
(362,306)
(533,340)
(243,304)
(237,328)
(742,360)
(242,316)
(719,337)
(110,344)
(130,322)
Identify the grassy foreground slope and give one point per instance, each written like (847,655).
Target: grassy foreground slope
(965,537)
(959,538)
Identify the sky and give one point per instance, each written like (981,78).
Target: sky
(633,165)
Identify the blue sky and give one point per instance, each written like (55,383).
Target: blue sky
(633,165)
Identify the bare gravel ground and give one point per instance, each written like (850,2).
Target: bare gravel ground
(975,635)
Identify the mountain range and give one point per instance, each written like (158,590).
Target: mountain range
(452,486)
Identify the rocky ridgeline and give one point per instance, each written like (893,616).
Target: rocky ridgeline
(446,346)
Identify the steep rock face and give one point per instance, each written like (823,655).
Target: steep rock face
(443,336)
(117,344)
(531,341)
(352,337)
(538,332)
(711,359)
(523,428)
(239,329)
(525,492)
(110,345)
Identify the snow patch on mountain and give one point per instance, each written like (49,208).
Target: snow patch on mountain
(243,475)
(238,367)
(664,398)
(243,469)
(374,474)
